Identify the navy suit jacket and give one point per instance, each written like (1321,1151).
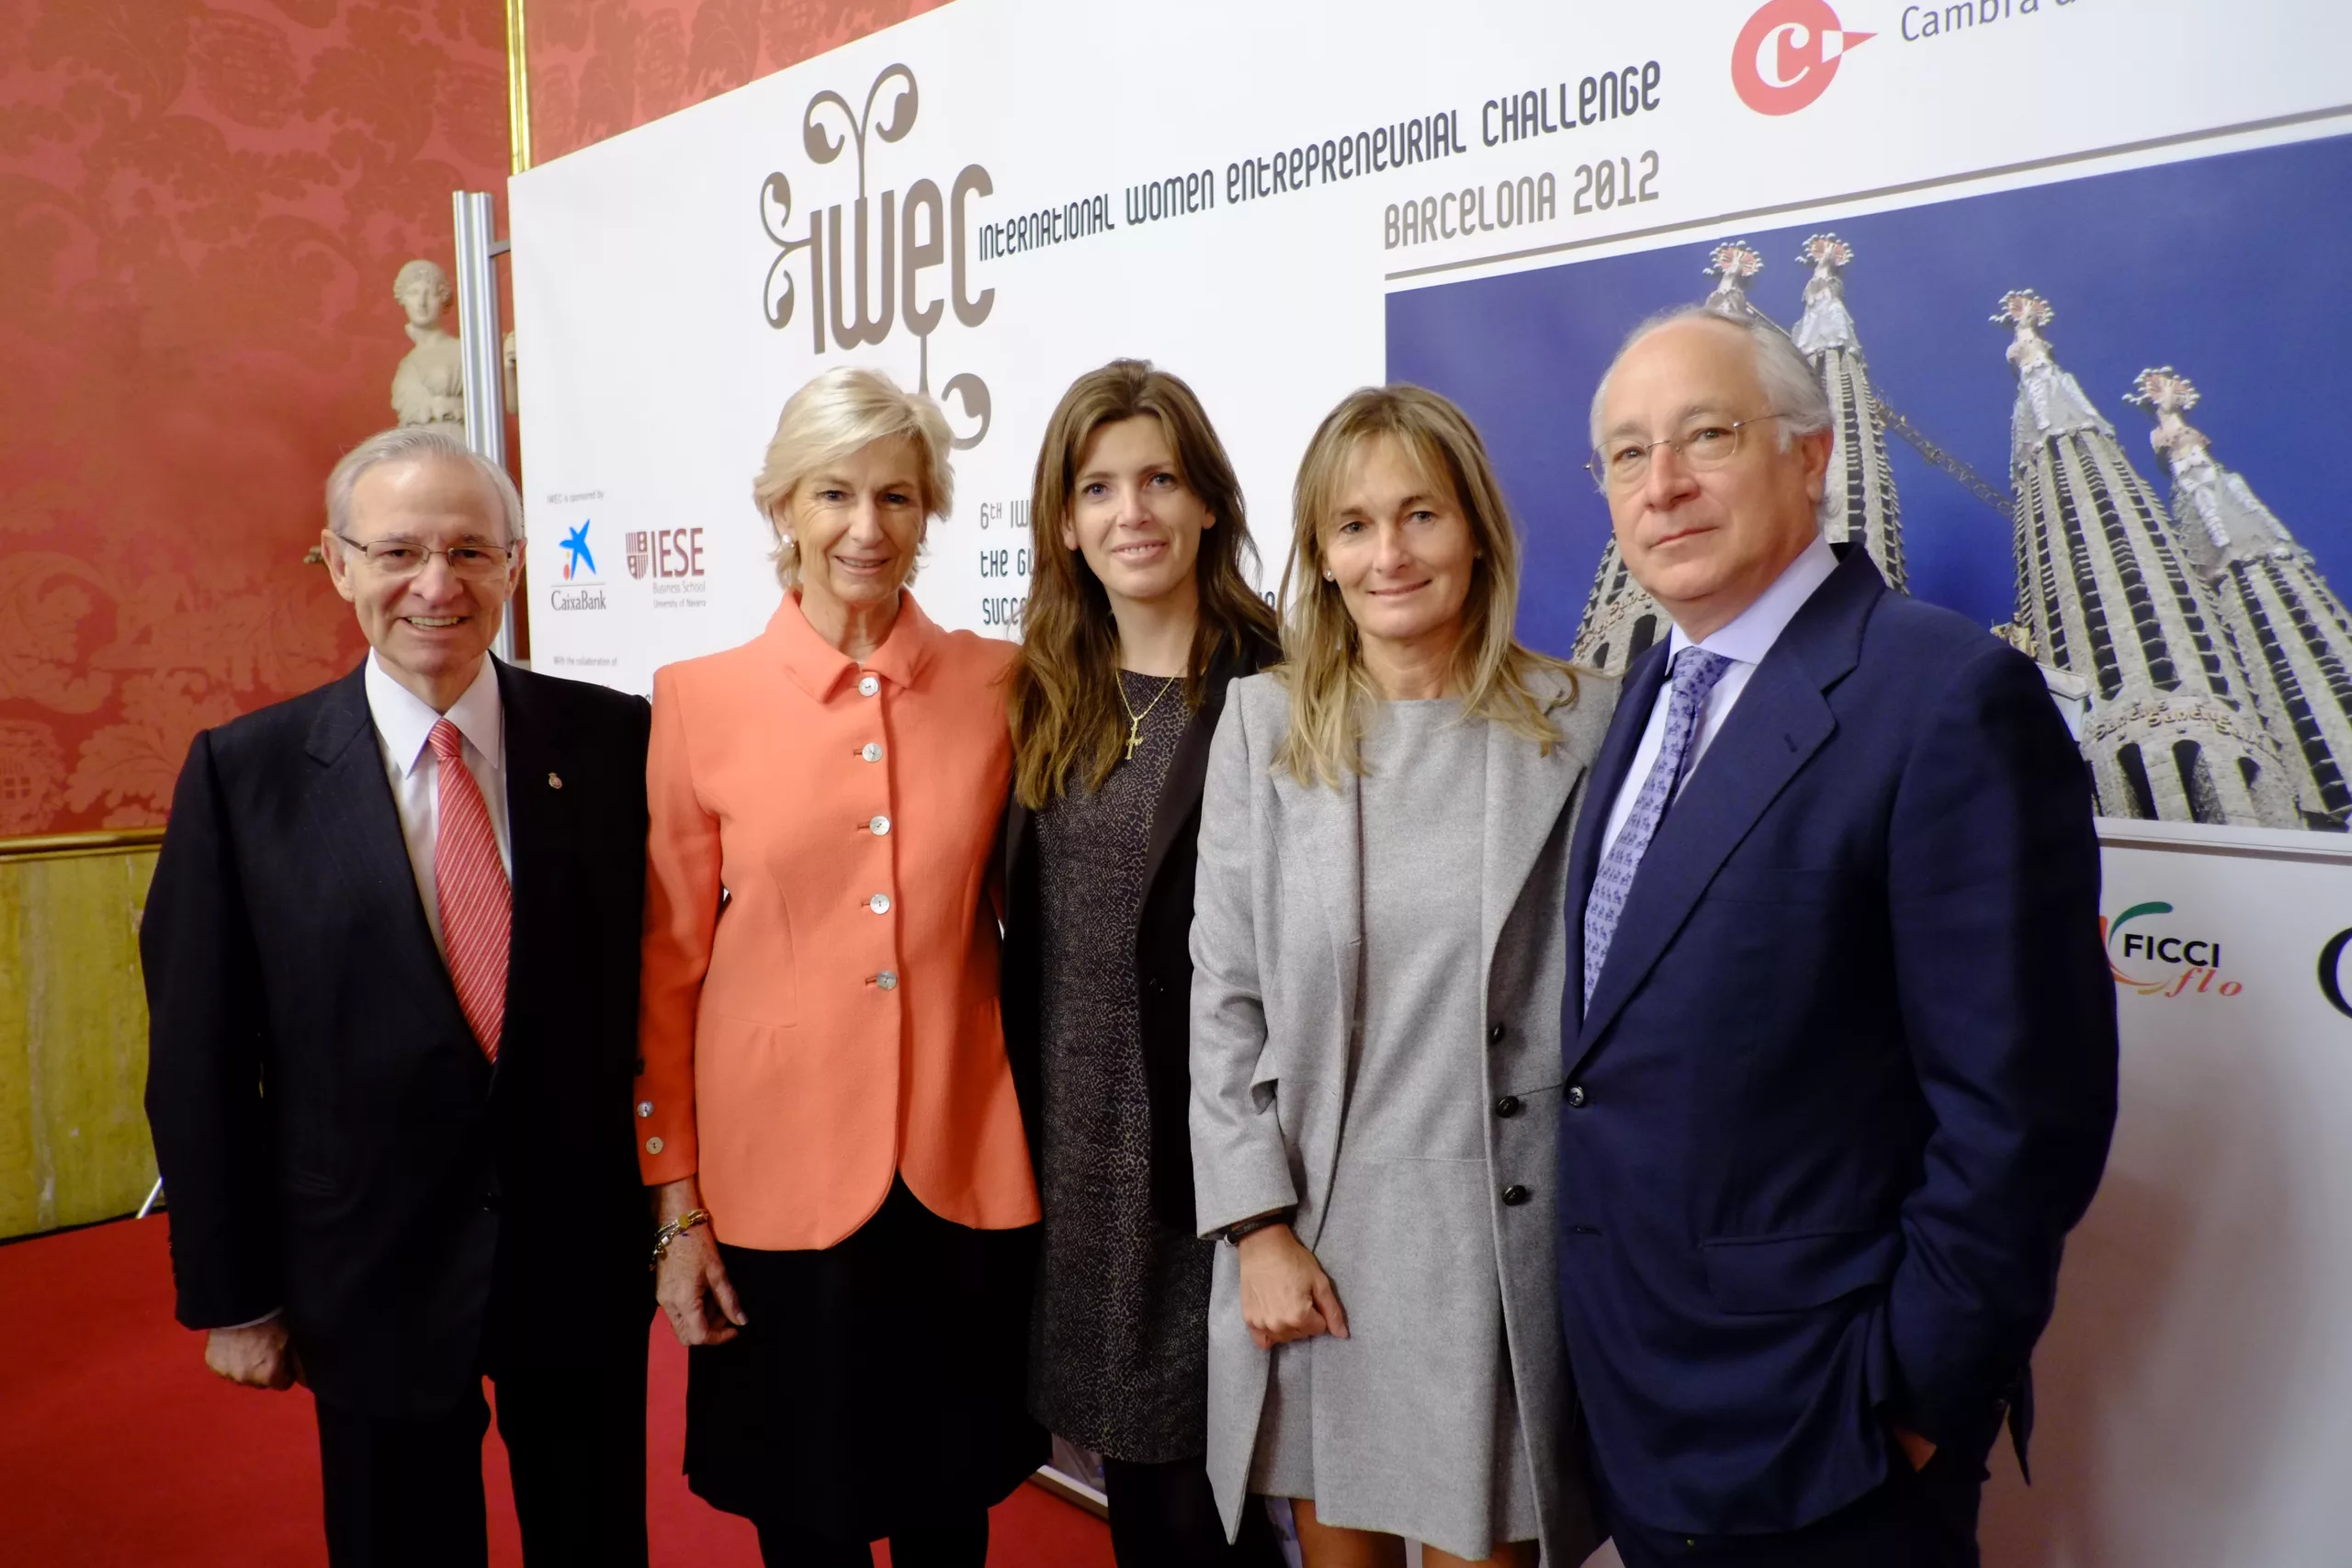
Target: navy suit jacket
(333,1142)
(1848,1075)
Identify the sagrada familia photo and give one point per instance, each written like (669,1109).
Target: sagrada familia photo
(2204,663)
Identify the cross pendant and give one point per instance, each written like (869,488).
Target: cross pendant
(1134,738)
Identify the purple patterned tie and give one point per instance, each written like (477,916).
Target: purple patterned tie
(1695,674)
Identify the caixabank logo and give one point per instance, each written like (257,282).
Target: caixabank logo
(877,264)
(578,556)
(1789,54)
(2151,955)
(576,586)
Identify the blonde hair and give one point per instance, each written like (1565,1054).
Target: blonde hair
(835,415)
(1331,697)
(1063,696)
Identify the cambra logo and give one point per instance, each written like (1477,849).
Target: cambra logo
(2159,963)
(1787,54)
(866,258)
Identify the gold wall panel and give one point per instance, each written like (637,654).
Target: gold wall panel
(74,1144)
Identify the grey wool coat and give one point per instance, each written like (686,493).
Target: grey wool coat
(1277,942)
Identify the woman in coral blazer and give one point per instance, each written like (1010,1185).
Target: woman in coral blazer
(825,1109)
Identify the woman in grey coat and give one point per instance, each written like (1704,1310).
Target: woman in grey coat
(1378,945)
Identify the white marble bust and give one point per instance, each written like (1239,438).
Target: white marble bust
(429,387)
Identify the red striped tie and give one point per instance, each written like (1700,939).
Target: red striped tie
(469,885)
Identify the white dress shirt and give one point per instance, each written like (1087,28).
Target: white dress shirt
(404,724)
(1744,641)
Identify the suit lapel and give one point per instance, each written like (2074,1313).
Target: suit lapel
(351,803)
(1782,719)
(1525,792)
(1633,715)
(1780,723)
(1179,794)
(1323,839)
(542,818)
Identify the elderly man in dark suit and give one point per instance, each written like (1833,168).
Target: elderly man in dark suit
(1840,1046)
(391,953)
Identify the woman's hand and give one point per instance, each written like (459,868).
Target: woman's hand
(691,1283)
(1285,1295)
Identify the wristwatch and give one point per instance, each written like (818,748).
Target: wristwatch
(1240,1228)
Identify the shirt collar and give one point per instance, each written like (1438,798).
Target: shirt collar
(1751,633)
(405,720)
(821,669)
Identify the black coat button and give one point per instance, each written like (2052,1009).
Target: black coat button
(1507,1106)
(1575,1096)
(1514,1195)
(1495,1034)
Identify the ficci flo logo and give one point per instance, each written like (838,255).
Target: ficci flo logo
(1788,54)
(2158,963)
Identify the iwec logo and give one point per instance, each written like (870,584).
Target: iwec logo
(2331,971)
(867,257)
(2159,963)
(1787,54)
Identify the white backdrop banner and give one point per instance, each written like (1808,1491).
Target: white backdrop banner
(1281,203)
(2195,1387)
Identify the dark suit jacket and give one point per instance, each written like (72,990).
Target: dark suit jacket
(1848,1075)
(1163,953)
(331,1140)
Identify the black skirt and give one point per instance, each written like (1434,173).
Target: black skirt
(878,1385)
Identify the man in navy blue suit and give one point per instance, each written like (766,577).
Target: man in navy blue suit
(1841,1056)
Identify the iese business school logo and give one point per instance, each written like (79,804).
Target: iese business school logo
(2160,964)
(665,553)
(1787,54)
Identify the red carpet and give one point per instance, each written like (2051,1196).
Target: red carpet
(118,1448)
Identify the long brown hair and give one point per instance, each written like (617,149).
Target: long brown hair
(1331,695)
(1063,694)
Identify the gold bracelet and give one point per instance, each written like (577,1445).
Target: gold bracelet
(672,1230)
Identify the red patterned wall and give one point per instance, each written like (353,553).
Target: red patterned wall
(202,206)
(599,67)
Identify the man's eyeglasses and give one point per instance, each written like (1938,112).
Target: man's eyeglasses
(1625,465)
(399,560)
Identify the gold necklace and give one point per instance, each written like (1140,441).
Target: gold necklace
(1135,719)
